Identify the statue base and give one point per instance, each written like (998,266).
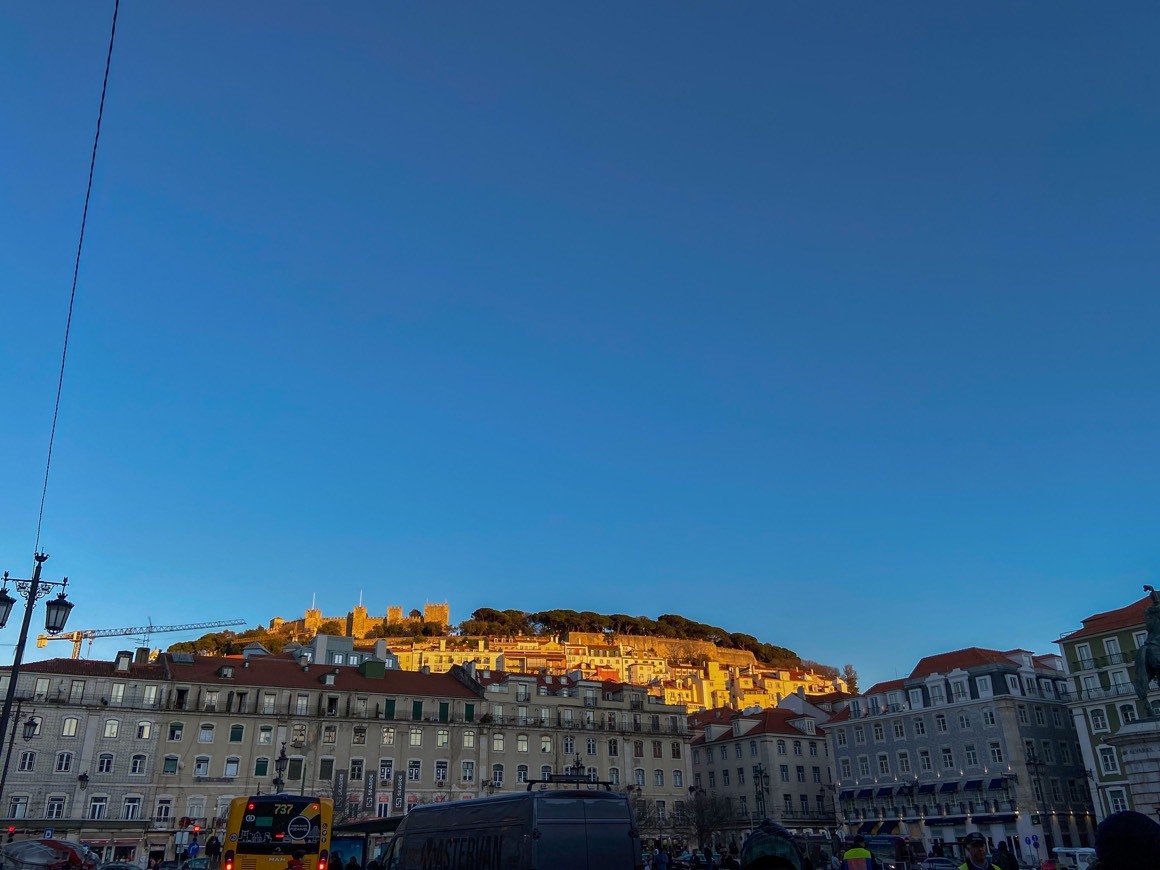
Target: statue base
(1139,747)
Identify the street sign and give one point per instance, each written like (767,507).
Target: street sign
(48,832)
(1027,840)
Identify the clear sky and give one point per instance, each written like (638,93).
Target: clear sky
(834,324)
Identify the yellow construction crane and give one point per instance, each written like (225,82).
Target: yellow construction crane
(144,631)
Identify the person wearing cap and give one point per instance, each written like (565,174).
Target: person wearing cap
(976,845)
(858,857)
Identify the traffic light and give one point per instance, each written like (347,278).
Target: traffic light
(196,830)
(11,833)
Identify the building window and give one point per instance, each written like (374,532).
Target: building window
(359,736)
(169,765)
(232,765)
(468,739)
(924,760)
(98,807)
(996,751)
(919,726)
(388,738)
(879,732)
(863,766)
(497,775)
(1117,800)
(497,741)
(416,737)
(18,807)
(899,730)
(972,757)
(679,778)
(783,772)
(844,768)
(330,734)
(205,733)
(105,762)
(386,769)
(948,758)
(131,808)
(883,763)
(659,778)
(112,726)
(414,770)
(176,731)
(1127,713)
(356,769)
(638,776)
(1108,761)
(54,808)
(781,747)
(201,765)
(841,738)
(940,724)
(1099,720)
(904,762)
(144,730)
(27,761)
(988,716)
(443,738)
(64,762)
(68,728)
(237,733)
(164,809)
(467,771)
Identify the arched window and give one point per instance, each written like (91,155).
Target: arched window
(638,776)
(68,726)
(614,775)
(545,771)
(1127,713)
(521,743)
(658,777)
(201,765)
(569,745)
(261,766)
(144,730)
(112,727)
(137,764)
(105,762)
(232,764)
(237,732)
(781,747)
(205,733)
(522,773)
(497,775)
(678,778)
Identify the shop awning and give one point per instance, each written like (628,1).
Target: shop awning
(926,788)
(888,826)
(867,827)
(945,821)
(865,793)
(973,785)
(846,795)
(886,792)
(993,819)
(948,787)
(996,784)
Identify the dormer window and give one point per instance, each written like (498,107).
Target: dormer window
(226,672)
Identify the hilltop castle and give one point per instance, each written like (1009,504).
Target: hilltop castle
(358,622)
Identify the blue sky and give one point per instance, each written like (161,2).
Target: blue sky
(833,325)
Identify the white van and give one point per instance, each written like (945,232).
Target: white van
(1068,858)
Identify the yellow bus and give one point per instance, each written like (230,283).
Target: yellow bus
(263,832)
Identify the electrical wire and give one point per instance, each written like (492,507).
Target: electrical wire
(76,272)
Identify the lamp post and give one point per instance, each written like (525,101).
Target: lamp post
(761,786)
(55,616)
(280,769)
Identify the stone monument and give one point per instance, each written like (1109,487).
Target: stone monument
(1139,742)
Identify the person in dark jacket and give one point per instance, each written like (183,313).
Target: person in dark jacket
(1128,840)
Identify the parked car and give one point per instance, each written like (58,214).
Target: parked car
(193,864)
(169,865)
(939,864)
(118,865)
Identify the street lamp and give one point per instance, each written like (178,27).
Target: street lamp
(761,786)
(280,769)
(55,617)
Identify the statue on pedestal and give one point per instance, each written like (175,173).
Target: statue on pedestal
(1148,656)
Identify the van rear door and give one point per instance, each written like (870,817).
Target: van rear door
(587,831)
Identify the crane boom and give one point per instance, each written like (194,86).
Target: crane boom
(78,637)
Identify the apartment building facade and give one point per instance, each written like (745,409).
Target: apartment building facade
(129,755)
(765,763)
(1099,659)
(973,740)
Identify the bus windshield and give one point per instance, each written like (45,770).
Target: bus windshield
(275,826)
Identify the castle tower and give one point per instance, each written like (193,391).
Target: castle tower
(437,613)
(394,615)
(312,621)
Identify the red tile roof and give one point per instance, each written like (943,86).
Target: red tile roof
(1112,620)
(971,657)
(774,720)
(886,686)
(83,668)
(285,673)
